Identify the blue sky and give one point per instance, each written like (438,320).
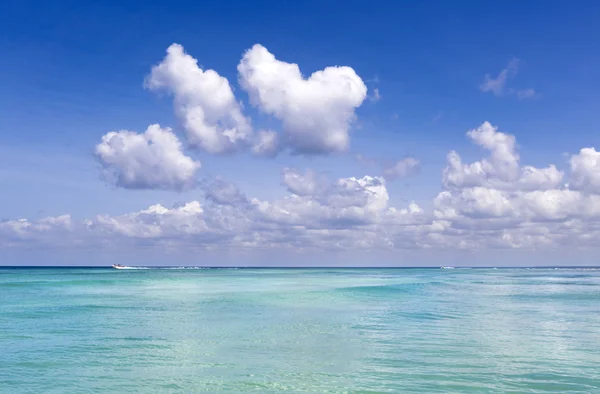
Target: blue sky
(73,71)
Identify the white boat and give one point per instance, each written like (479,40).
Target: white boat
(445,267)
(118,266)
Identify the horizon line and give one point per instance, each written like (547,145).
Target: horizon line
(301,267)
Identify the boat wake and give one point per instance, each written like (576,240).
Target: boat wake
(127,267)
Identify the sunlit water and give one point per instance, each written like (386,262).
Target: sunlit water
(304,330)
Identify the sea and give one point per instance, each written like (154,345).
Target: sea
(189,330)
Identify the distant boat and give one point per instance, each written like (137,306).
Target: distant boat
(118,266)
(445,267)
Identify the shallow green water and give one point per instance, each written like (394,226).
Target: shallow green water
(309,330)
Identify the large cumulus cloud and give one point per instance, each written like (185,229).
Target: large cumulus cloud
(492,203)
(203,101)
(150,160)
(316,112)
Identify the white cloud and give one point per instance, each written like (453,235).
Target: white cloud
(392,170)
(501,169)
(558,204)
(154,222)
(315,112)
(224,193)
(498,85)
(364,159)
(330,214)
(203,101)
(300,184)
(151,160)
(437,117)
(477,202)
(521,207)
(376,96)
(401,168)
(493,203)
(25,227)
(52,231)
(525,93)
(267,144)
(585,171)
(339,214)
(496,203)
(367,192)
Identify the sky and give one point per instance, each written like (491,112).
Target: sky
(299,133)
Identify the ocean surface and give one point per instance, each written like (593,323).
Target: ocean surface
(300,330)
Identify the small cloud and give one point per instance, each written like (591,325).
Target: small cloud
(525,94)
(395,116)
(364,160)
(494,85)
(401,168)
(437,117)
(392,170)
(375,79)
(376,96)
(150,160)
(267,144)
(222,192)
(497,85)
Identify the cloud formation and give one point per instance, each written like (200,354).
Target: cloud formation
(151,160)
(300,184)
(585,171)
(222,192)
(494,202)
(401,168)
(203,101)
(392,169)
(501,170)
(376,96)
(316,112)
(267,144)
(498,85)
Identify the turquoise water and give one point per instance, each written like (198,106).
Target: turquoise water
(303,330)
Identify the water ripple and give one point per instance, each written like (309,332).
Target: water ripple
(330,331)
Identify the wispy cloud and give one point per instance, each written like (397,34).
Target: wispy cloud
(498,85)
(392,170)
(375,96)
(364,160)
(525,93)
(486,205)
(401,168)
(437,117)
(375,79)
